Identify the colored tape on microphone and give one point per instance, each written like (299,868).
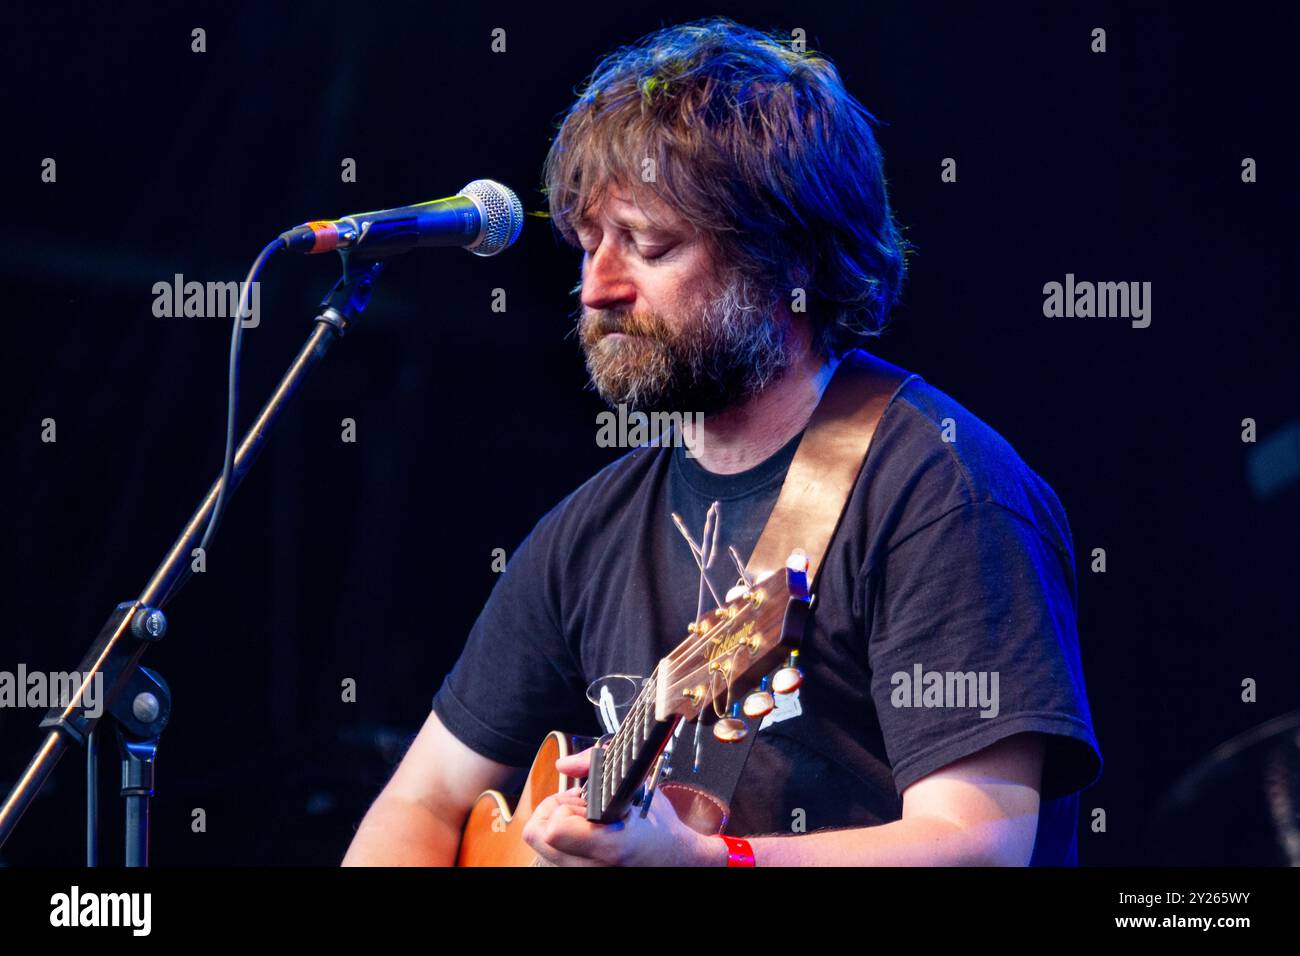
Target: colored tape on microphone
(326,236)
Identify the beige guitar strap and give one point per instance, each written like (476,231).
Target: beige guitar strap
(808,510)
(827,463)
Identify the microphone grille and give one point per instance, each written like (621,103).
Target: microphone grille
(502,214)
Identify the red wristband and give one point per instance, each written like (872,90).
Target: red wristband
(739,852)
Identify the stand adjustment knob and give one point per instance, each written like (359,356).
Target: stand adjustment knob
(149,624)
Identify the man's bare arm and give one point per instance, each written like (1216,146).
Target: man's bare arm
(981,810)
(417,819)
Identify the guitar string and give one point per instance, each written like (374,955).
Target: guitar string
(622,743)
(697,552)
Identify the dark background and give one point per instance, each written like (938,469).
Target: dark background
(371,560)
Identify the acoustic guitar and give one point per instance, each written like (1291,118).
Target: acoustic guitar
(747,648)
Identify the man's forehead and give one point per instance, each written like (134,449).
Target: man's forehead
(638,207)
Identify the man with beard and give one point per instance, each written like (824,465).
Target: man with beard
(728,197)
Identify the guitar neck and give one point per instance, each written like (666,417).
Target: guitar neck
(724,652)
(619,770)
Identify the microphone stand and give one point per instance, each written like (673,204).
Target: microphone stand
(135,697)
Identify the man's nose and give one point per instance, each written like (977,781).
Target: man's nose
(605,282)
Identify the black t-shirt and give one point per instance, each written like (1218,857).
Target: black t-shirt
(953,558)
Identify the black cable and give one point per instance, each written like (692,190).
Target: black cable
(92,800)
(232,409)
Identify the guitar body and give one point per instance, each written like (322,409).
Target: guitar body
(494,833)
(727,649)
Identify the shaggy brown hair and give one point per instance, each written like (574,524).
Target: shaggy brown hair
(756,144)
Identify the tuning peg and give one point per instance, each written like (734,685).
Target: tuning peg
(731,729)
(760,703)
(788,678)
(738,591)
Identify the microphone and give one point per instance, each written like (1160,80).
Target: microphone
(485,217)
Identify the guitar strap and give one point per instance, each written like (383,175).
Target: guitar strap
(808,510)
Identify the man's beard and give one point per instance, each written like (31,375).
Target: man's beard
(729,349)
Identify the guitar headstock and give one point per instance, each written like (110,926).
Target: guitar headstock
(731,650)
(726,654)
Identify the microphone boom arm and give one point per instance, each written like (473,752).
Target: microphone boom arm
(116,652)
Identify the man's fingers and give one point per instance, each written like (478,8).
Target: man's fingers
(559,832)
(536,824)
(575,765)
(569,833)
(572,798)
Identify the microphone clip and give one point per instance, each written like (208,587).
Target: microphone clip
(350,295)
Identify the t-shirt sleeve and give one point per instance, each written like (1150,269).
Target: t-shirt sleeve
(517,678)
(973,639)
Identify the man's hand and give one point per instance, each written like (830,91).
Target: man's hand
(979,810)
(559,832)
